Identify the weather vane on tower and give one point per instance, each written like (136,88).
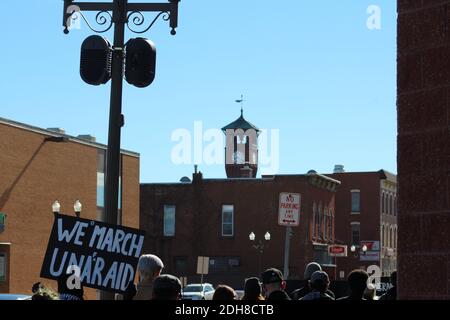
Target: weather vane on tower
(241,101)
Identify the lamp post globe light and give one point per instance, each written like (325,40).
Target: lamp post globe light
(260,246)
(353,250)
(56,207)
(77,206)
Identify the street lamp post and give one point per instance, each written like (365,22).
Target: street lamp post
(77,208)
(259,246)
(123,14)
(353,250)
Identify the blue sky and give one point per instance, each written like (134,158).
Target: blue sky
(309,68)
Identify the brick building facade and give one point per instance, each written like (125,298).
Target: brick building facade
(37,167)
(366,213)
(214,217)
(423,86)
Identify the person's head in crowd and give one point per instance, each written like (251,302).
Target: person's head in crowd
(320,281)
(310,269)
(70,287)
(224,292)
(252,289)
(357,281)
(272,280)
(166,287)
(149,267)
(44,293)
(370,292)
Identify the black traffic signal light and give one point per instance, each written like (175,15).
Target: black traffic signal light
(96,58)
(140,62)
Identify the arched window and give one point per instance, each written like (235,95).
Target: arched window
(395,206)
(391,231)
(387,235)
(382,203)
(383,244)
(395,237)
(319,221)
(330,225)
(325,223)
(385,203)
(391,204)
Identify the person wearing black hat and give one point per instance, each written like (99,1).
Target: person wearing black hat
(274,285)
(166,287)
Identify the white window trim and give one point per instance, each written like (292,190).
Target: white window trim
(232,220)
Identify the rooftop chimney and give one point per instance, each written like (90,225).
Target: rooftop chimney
(339,168)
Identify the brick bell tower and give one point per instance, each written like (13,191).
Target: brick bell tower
(241,150)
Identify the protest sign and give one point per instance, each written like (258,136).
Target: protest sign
(104,255)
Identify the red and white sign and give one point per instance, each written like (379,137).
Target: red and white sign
(289,209)
(337,250)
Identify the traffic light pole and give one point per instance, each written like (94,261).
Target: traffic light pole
(122,13)
(115,115)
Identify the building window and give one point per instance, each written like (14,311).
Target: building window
(356,201)
(385,203)
(395,206)
(330,232)
(319,222)
(2,267)
(395,238)
(356,230)
(382,203)
(382,235)
(224,265)
(169,221)
(313,227)
(325,223)
(227,221)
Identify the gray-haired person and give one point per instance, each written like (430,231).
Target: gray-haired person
(149,267)
(309,270)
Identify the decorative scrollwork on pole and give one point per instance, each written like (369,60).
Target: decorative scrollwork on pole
(137,19)
(102,18)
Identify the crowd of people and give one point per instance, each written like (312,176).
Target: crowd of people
(152,285)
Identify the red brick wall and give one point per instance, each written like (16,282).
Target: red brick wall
(424,149)
(34,174)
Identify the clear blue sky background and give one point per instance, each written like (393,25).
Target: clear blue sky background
(310,68)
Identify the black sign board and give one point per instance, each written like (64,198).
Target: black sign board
(104,255)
